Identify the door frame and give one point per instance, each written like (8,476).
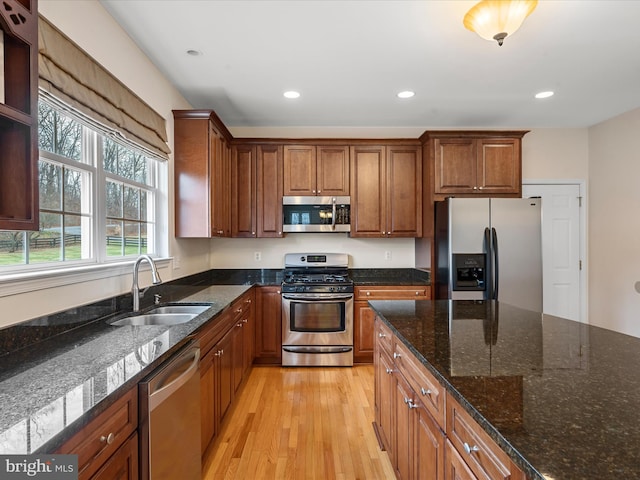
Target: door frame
(584,244)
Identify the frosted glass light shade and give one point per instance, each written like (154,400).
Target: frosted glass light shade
(496,19)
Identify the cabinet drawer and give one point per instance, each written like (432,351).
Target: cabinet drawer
(420,292)
(428,390)
(476,448)
(383,336)
(100,439)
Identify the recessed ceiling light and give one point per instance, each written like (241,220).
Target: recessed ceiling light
(194,53)
(291,94)
(406,94)
(546,94)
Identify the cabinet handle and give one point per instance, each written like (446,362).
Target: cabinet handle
(382,335)
(218,353)
(244,320)
(108,439)
(425,392)
(396,355)
(239,324)
(389,371)
(469,449)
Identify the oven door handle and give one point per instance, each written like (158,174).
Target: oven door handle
(307,299)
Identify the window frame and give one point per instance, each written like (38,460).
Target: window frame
(28,277)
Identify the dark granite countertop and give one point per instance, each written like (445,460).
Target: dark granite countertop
(48,391)
(560,397)
(390,276)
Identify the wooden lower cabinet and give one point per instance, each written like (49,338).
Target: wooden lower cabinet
(363,316)
(268,326)
(426,432)
(123,465)
(99,444)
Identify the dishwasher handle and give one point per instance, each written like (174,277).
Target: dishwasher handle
(189,359)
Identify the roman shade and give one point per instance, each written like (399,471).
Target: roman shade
(70,75)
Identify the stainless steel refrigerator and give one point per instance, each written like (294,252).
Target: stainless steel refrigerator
(489,249)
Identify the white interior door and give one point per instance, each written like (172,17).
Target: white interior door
(561,260)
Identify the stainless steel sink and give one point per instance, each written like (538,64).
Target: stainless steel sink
(165,315)
(197,309)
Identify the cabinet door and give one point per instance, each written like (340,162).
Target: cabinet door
(368,191)
(363,318)
(123,465)
(332,176)
(428,447)
(243,192)
(499,166)
(268,325)
(269,190)
(455,165)
(207,399)
(404,191)
(299,170)
(224,371)
(218,184)
(237,354)
(455,467)
(403,440)
(384,399)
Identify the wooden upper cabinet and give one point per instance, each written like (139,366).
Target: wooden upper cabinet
(202,156)
(19,203)
(476,163)
(316,170)
(243,191)
(256,200)
(386,191)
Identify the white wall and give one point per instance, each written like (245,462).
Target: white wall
(614,223)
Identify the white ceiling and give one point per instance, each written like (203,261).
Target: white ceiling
(350,58)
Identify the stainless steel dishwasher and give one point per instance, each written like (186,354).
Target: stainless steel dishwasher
(170,419)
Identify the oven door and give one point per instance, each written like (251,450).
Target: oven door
(317,319)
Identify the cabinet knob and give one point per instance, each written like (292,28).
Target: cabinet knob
(381,335)
(470,449)
(244,320)
(239,324)
(108,439)
(417,293)
(475,188)
(425,392)
(313,191)
(396,355)
(253,233)
(368,294)
(480,188)
(389,371)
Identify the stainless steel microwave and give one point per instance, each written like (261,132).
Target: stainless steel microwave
(316,214)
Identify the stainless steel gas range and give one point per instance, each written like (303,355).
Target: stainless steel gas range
(317,310)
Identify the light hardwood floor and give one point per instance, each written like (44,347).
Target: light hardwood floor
(301,423)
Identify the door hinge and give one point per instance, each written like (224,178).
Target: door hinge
(579,264)
(579,202)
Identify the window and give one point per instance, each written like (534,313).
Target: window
(98,199)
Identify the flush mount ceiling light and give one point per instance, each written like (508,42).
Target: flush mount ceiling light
(496,19)
(546,94)
(291,94)
(406,94)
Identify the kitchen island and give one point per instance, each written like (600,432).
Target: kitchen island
(560,398)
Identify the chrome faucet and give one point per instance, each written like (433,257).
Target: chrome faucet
(135,289)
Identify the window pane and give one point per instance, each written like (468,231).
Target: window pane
(46,245)
(68,137)
(132,239)
(144,244)
(144,215)
(114,238)
(72,191)
(114,200)
(131,203)
(110,155)
(133,166)
(46,127)
(12,248)
(50,178)
(75,243)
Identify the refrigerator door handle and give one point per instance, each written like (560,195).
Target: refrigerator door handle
(488,294)
(496,268)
